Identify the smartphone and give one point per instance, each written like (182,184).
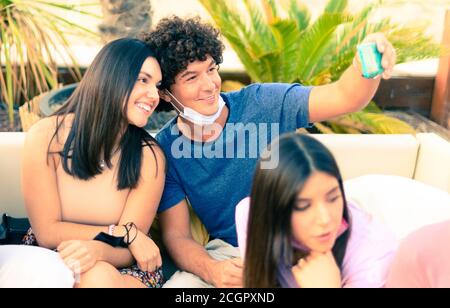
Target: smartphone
(370,60)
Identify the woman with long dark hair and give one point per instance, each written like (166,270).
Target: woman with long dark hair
(302,232)
(93,178)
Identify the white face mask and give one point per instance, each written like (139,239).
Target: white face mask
(193,116)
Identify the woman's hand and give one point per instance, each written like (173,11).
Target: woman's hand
(80,256)
(319,270)
(385,47)
(146,253)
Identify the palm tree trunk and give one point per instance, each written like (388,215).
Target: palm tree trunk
(124,18)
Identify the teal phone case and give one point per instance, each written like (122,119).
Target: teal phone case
(370,60)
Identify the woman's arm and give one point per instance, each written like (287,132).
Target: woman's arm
(142,205)
(39,186)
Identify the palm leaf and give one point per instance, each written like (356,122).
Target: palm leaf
(300,14)
(348,36)
(291,49)
(231,86)
(260,29)
(286,35)
(33,32)
(238,35)
(376,123)
(323,128)
(411,44)
(372,108)
(336,6)
(314,41)
(270,11)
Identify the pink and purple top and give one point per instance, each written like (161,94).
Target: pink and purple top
(370,249)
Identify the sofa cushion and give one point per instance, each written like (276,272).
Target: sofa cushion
(405,205)
(433,163)
(359,155)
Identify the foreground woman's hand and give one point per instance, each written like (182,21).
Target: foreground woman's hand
(318,270)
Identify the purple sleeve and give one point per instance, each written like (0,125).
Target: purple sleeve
(370,252)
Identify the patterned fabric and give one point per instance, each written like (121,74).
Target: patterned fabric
(30,239)
(149,279)
(153,280)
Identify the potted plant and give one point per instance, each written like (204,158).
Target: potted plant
(32,34)
(281,43)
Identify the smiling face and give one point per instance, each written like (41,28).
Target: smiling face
(144,98)
(318,214)
(198,87)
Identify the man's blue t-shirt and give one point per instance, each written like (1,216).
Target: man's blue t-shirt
(216,176)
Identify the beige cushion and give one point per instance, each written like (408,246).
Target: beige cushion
(359,155)
(11,200)
(433,164)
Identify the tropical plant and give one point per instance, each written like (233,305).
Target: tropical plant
(281,43)
(33,33)
(124,18)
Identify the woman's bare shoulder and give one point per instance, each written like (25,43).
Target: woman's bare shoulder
(43,132)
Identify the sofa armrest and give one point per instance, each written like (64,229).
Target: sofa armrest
(433,163)
(11,199)
(359,155)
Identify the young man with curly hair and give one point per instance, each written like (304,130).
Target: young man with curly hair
(215,142)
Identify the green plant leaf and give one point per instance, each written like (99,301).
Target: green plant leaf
(314,41)
(32,33)
(277,46)
(300,14)
(336,6)
(286,35)
(377,123)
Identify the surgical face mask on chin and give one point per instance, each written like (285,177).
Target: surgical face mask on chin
(193,116)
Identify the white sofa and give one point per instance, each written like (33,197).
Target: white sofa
(425,157)
(11,199)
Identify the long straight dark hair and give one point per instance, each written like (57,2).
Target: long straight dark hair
(100,124)
(269,240)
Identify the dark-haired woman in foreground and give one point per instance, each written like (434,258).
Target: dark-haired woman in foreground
(301,230)
(92,171)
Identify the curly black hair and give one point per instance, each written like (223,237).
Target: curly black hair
(179,42)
